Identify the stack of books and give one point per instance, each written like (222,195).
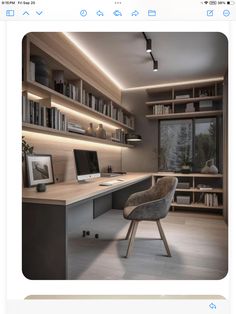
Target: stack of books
(211,199)
(118,136)
(35,113)
(161,109)
(66,88)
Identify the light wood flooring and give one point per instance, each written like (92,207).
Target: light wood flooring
(198,243)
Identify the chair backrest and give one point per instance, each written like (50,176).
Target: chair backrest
(165,188)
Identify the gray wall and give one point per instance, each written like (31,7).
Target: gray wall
(144,156)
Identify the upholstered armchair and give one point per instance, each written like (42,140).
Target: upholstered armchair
(150,205)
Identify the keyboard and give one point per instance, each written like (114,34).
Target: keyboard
(112,182)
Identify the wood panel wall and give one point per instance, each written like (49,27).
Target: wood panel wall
(61,150)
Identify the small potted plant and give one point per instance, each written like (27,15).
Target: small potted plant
(186,166)
(26,149)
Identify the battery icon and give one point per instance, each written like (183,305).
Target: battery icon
(230,2)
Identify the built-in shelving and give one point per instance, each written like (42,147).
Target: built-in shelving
(185,101)
(44,92)
(50,131)
(214,180)
(182,101)
(196,205)
(183,115)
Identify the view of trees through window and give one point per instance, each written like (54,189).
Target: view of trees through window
(187,142)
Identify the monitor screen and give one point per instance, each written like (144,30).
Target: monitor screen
(86,163)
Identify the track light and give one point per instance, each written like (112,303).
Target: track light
(148,45)
(149,49)
(155,65)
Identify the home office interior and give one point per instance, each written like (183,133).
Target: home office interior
(124,156)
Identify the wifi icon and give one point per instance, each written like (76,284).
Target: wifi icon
(206,2)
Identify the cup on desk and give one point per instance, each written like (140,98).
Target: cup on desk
(41,187)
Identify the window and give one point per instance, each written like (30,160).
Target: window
(187,142)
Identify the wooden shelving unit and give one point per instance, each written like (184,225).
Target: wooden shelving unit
(182,101)
(75,109)
(170,99)
(186,115)
(44,92)
(49,131)
(193,191)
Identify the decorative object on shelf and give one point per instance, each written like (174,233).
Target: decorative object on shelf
(133,137)
(205,105)
(41,70)
(109,169)
(186,166)
(210,167)
(100,132)
(190,107)
(75,128)
(39,169)
(183,185)
(90,130)
(180,199)
(119,136)
(41,187)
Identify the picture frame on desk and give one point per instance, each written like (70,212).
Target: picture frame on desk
(39,169)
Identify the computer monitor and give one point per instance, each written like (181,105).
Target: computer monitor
(86,162)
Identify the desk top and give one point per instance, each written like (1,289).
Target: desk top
(67,193)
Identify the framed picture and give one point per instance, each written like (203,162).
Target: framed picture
(39,169)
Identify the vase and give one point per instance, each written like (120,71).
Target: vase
(100,132)
(213,169)
(90,130)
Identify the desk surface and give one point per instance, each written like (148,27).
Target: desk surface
(67,193)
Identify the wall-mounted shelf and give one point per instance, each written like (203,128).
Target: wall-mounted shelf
(186,101)
(185,115)
(183,101)
(44,92)
(49,131)
(196,205)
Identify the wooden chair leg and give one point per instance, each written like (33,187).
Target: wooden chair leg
(162,234)
(130,230)
(131,240)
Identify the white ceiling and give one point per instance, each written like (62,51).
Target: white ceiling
(181,56)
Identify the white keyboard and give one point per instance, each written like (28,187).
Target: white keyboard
(108,183)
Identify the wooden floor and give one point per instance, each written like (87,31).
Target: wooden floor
(198,243)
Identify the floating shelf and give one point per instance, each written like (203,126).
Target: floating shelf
(182,100)
(196,205)
(213,190)
(192,174)
(49,131)
(185,115)
(44,92)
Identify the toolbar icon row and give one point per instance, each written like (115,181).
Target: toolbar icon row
(117,13)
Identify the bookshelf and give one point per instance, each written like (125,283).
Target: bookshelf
(214,183)
(48,77)
(49,131)
(186,101)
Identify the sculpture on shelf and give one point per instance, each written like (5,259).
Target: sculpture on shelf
(210,167)
(90,130)
(100,132)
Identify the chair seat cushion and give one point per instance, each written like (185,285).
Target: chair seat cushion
(127,211)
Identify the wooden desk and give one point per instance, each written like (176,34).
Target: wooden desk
(49,217)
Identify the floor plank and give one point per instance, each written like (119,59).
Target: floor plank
(198,244)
